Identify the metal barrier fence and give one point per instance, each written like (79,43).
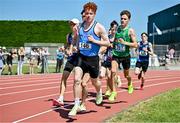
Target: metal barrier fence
(161,60)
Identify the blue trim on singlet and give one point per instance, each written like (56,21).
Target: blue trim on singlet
(70,38)
(86,47)
(108,55)
(70,41)
(143,56)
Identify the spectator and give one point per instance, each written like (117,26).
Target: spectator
(171,53)
(33,60)
(4,58)
(60,56)
(45,55)
(21,54)
(1,61)
(167,60)
(39,59)
(12,53)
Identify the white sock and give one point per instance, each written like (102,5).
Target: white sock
(61,98)
(77,101)
(100,92)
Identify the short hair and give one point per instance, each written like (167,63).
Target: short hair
(144,34)
(113,23)
(90,5)
(126,12)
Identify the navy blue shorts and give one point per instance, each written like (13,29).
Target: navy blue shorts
(143,64)
(72,62)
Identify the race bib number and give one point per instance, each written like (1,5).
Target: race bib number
(143,53)
(85,46)
(120,47)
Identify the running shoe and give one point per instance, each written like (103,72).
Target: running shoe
(108,93)
(82,107)
(99,98)
(60,101)
(57,103)
(130,88)
(74,110)
(113,96)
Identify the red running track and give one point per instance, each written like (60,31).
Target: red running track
(27,98)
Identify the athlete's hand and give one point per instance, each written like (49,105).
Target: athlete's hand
(111,45)
(91,38)
(74,49)
(145,49)
(69,52)
(122,41)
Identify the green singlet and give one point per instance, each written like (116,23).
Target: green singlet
(121,50)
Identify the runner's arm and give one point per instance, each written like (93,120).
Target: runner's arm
(133,42)
(101,32)
(150,49)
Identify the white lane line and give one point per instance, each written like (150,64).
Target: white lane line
(28,76)
(69,79)
(58,78)
(58,86)
(35,115)
(28,91)
(23,77)
(29,99)
(162,83)
(30,81)
(29,85)
(38,114)
(25,100)
(44,112)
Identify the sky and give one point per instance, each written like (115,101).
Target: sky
(108,10)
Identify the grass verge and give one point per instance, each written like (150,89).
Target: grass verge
(161,108)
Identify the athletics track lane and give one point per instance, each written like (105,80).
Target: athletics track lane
(26,98)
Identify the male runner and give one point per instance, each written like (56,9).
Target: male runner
(144,50)
(72,58)
(105,69)
(71,61)
(92,35)
(124,39)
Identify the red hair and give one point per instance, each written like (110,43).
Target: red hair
(90,5)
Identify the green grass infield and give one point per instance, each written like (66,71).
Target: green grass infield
(164,107)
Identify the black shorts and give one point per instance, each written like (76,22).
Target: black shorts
(71,62)
(9,62)
(124,60)
(69,66)
(89,65)
(106,64)
(143,64)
